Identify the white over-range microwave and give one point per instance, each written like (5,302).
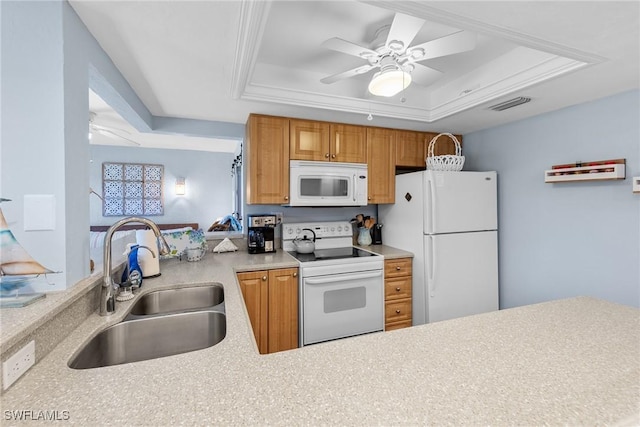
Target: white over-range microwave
(327,183)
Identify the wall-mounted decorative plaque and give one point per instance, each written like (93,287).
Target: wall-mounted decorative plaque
(132,189)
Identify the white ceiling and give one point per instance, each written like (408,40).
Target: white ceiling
(221,60)
(117,131)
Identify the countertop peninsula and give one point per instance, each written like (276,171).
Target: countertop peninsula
(567,362)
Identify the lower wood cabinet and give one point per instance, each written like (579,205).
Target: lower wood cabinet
(398,275)
(271,298)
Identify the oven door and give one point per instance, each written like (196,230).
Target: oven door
(342,305)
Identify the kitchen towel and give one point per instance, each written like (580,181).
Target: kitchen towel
(150,266)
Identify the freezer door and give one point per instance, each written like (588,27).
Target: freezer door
(461,274)
(460,202)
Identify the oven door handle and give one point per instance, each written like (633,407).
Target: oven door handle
(341,278)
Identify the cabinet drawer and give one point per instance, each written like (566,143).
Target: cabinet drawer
(397,311)
(397,267)
(397,288)
(397,325)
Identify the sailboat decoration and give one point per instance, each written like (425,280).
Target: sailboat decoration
(17,268)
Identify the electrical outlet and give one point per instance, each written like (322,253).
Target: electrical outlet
(279,216)
(18,364)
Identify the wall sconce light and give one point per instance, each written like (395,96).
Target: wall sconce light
(181,187)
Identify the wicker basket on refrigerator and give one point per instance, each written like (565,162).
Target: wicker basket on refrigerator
(447,162)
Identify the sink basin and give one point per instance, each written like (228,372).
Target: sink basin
(180,299)
(151,338)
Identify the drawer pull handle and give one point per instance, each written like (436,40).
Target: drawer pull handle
(398,268)
(398,289)
(264,278)
(295,274)
(397,311)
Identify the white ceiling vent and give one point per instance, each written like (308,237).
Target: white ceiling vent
(510,103)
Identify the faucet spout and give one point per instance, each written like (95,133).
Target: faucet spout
(108,291)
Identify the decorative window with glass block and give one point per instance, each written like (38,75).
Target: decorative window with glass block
(132,189)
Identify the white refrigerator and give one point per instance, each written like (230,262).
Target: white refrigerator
(449,221)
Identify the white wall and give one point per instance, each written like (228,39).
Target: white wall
(565,239)
(207,174)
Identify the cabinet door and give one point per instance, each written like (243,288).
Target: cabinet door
(283,309)
(308,140)
(443,145)
(254,291)
(411,148)
(267,142)
(348,143)
(381,161)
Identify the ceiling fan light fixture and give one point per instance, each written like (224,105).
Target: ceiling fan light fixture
(389,82)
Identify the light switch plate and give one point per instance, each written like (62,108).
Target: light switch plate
(39,212)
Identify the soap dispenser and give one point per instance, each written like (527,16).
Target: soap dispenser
(132,274)
(133,266)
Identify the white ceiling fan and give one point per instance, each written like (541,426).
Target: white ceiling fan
(396,59)
(114,133)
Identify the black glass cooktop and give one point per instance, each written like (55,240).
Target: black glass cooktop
(328,254)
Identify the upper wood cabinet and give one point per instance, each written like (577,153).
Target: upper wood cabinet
(381,160)
(267,149)
(309,140)
(411,148)
(272,141)
(271,299)
(322,141)
(348,143)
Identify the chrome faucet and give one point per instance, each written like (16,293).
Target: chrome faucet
(108,292)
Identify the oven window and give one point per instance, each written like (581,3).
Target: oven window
(345,299)
(324,186)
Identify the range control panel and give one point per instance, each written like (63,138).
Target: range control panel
(322,230)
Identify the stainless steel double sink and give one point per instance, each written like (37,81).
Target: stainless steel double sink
(161,323)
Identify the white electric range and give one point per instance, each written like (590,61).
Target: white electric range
(341,287)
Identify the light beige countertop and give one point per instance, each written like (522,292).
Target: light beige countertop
(388,252)
(567,362)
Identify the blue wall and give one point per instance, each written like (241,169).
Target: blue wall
(49,60)
(207,174)
(565,239)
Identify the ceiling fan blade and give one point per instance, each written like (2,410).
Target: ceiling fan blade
(108,129)
(459,42)
(346,74)
(112,134)
(403,29)
(344,46)
(424,76)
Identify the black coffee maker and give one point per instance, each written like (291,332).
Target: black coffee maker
(377,234)
(261,237)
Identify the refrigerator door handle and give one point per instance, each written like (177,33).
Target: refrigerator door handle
(431,196)
(432,266)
